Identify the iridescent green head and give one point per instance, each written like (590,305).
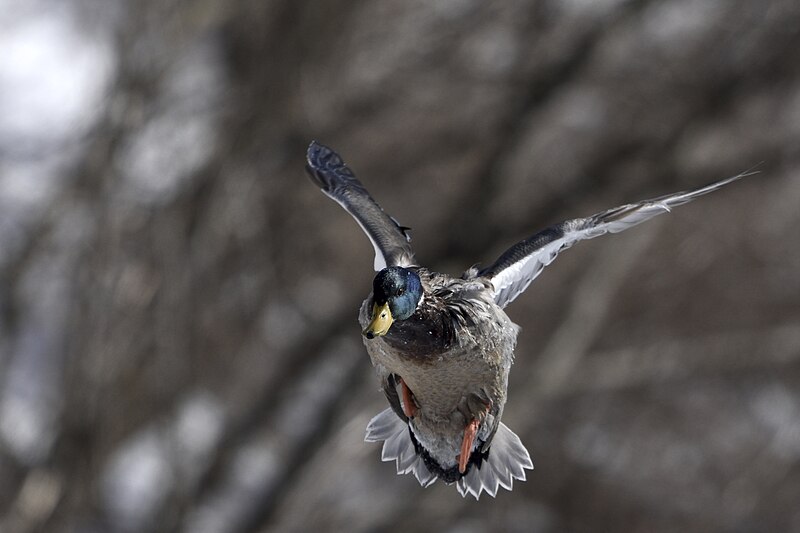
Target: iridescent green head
(396,293)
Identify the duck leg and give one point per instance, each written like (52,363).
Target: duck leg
(466,445)
(409,407)
(475,408)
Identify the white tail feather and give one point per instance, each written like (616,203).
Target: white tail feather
(507,460)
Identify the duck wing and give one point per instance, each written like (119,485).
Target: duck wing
(518,266)
(390,240)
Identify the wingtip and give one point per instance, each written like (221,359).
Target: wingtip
(686,196)
(749,172)
(315,146)
(313,153)
(325,166)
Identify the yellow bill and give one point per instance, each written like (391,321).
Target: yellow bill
(381,321)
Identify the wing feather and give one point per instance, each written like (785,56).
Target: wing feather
(390,240)
(518,266)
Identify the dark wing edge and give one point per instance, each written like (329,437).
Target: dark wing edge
(390,240)
(518,266)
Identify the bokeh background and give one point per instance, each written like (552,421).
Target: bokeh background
(178,340)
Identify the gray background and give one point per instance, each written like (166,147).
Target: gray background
(178,340)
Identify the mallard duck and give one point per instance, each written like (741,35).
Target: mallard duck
(443,346)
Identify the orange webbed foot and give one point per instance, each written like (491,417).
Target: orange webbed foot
(409,407)
(470,432)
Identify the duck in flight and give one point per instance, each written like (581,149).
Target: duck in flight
(443,346)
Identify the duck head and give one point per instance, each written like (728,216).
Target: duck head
(396,292)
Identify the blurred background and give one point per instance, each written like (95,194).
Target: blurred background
(179,348)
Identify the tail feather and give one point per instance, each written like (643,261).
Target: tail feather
(507,459)
(382,426)
(425,477)
(386,426)
(506,462)
(407,459)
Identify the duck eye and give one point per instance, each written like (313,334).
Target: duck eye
(400,292)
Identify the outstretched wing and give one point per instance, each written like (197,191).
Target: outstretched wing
(519,265)
(390,240)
